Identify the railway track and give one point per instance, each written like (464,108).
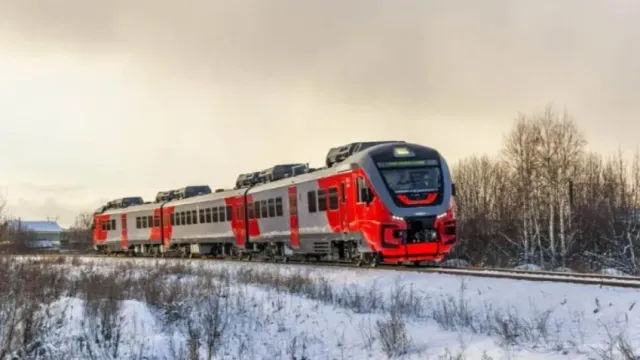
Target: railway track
(632,282)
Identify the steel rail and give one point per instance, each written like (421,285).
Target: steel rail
(553,273)
(498,273)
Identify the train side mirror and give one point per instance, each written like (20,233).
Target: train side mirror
(453,189)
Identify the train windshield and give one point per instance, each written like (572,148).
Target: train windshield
(412,180)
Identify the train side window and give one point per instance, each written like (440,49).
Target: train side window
(207,215)
(362,189)
(149,221)
(138,222)
(188,217)
(144,222)
(272,207)
(256,209)
(279,209)
(229,212)
(214,214)
(333,198)
(221,215)
(173,219)
(201,216)
(322,200)
(194,217)
(178,219)
(264,209)
(313,203)
(113,224)
(156,221)
(183,218)
(250,211)
(106,226)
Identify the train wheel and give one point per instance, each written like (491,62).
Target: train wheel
(375,261)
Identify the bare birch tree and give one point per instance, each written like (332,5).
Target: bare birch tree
(547,201)
(521,155)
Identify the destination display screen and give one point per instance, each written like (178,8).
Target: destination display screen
(406,163)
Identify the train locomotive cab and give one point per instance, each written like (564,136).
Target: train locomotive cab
(414,185)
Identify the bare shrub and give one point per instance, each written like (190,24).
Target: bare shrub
(454,314)
(27,316)
(200,313)
(103,321)
(297,349)
(406,301)
(616,346)
(368,334)
(76,261)
(455,355)
(393,335)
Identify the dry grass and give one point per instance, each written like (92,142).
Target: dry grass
(199,304)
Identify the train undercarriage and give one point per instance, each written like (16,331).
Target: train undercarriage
(341,251)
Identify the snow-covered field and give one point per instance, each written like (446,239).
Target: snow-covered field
(176,309)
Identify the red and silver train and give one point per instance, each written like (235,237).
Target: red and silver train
(374,202)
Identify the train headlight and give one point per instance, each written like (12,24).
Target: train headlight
(400,218)
(442,215)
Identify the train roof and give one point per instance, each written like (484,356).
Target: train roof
(207,197)
(343,165)
(130,209)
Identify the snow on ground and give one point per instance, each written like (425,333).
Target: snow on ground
(268,311)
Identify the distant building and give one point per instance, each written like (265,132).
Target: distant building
(47,234)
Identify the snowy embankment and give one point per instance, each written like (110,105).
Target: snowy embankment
(176,309)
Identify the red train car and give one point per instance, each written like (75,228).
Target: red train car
(374,202)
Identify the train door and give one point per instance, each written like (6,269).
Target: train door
(344,208)
(294,224)
(238,225)
(124,237)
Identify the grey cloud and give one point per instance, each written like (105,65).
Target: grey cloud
(51,189)
(416,55)
(287,79)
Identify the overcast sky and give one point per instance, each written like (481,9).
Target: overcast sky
(104,99)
